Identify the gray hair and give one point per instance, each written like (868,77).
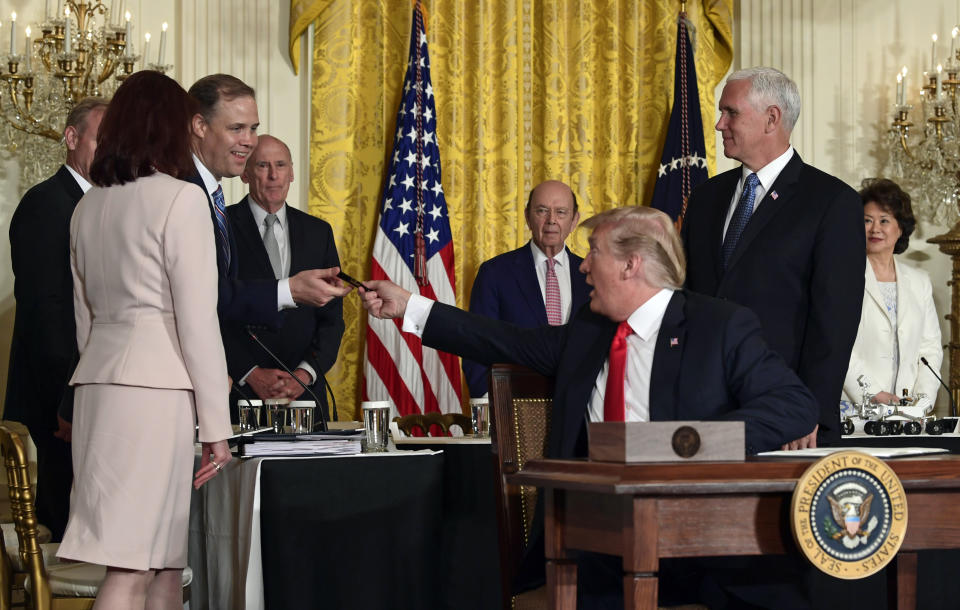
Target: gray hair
(771,87)
(647,232)
(79,113)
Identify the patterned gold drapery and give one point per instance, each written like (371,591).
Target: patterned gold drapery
(526,90)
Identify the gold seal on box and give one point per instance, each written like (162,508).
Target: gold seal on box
(849,514)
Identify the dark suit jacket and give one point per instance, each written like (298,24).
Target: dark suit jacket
(44,347)
(310,334)
(251,302)
(798,266)
(506,288)
(719,369)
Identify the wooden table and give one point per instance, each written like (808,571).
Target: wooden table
(645,512)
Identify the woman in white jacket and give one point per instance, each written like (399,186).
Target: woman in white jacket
(898,322)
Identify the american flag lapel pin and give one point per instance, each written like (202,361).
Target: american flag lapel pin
(774,195)
(674,342)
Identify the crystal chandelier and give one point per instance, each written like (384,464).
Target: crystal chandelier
(84,49)
(925,158)
(926,162)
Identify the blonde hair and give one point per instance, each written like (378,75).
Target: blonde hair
(649,233)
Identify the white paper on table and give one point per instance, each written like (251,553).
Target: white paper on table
(877,452)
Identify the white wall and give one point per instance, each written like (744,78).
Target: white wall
(246,38)
(844,56)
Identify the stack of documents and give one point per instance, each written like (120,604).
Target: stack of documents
(301,445)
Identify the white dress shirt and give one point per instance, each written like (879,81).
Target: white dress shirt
(562,269)
(645,322)
(284,298)
(84,185)
(767,175)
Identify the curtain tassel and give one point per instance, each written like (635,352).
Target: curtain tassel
(420,259)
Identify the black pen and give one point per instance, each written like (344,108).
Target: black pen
(353,282)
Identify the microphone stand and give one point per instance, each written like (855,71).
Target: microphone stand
(953,405)
(333,399)
(323,415)
(244,395)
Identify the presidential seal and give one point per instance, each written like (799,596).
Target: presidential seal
(849,514)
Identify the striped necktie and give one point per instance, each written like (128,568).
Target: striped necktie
(223,232)
(552,300)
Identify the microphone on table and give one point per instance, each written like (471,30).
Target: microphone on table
(244,395)
(953,405)
(323,415)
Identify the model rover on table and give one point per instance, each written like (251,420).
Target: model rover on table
(913,415)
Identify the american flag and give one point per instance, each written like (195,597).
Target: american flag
(683,164)
(413,248)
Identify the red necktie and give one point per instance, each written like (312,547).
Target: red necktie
(613,408)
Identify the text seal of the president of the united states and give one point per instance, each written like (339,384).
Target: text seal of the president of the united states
(849,514)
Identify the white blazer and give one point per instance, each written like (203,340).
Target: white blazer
(145,293)
(918,331)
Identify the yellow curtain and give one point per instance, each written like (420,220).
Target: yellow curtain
(526,90)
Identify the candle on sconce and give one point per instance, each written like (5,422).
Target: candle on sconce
(28,51)
(933,51)
(146,50)
(46,10)
(13,33)
(163,42)
(953,41)
(128,49)
(67,38)
(899,89)
(939,79)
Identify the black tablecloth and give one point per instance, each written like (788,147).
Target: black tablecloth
(469,577)
(362,533)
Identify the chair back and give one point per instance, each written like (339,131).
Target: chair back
(521,402)
(24,515)
(425,421)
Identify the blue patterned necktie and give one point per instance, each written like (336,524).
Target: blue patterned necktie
(223,239)
(741,216)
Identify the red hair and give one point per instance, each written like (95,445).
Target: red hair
(144,130)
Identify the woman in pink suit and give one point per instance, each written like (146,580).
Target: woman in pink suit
(151,359)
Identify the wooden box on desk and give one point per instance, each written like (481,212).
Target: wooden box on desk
(667,441)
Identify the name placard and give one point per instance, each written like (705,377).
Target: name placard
(667,441)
